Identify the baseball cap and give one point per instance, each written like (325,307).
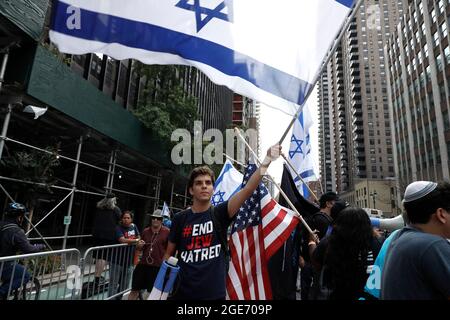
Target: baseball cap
(338,206)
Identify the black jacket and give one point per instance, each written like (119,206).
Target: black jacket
(105,223)
(13,240)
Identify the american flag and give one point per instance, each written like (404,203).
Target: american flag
(260,228)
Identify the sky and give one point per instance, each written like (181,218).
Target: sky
(273,124)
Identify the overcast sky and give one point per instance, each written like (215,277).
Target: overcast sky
(272,126)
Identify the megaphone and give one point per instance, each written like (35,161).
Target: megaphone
(388,224)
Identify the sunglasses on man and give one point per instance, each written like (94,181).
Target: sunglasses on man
(155,218)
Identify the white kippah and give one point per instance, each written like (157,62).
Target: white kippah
(418,189)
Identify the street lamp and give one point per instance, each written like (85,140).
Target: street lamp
(373,195)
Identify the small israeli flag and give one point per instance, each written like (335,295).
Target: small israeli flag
(160,289)
(228,183)
(300,152)
(165,210)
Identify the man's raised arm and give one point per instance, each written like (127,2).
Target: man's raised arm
(236,201)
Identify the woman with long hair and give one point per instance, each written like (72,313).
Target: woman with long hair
(106,219)
(348,255)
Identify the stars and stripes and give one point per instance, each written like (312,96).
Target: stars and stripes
(260,228)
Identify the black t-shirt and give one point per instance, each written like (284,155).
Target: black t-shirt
(319,221)
(201,258)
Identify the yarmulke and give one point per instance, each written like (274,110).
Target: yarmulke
(418,189)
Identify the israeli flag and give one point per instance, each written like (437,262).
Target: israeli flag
(165,210)
(300,152)
(263,49)
(228,183)
(161,288)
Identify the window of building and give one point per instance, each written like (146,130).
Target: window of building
(439,62)
(447,54)
(436,38)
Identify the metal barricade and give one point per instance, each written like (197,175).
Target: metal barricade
(107,271)
(52,275)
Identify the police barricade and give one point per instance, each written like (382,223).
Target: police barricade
(52,275)
(107,271)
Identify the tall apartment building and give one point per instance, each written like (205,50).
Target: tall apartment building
(357,102)
(326,139)
(418,57)
(215,102)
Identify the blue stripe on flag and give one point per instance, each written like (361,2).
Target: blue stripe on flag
(305,191)
(304,174)
(134,34)
(228,167)
(237,189)
(347,3)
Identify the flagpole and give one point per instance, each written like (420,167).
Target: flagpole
(258,162)
(324,63)
(320,184)
(298,175)
(231,159)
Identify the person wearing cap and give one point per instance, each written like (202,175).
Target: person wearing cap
(12,241)
(153,246)
(417,263)
(199,234)
(106,220)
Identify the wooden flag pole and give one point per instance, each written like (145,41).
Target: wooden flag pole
(276,184)
(231,159)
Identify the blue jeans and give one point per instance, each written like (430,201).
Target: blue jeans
(12,276)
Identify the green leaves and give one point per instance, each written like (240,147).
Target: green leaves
(33,166)
(164,105)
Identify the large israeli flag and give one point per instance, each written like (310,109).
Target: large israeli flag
(300,151)
(263,49)
(227,184)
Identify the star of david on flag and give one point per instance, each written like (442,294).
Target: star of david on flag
(227,184)
(260,228)
(209,14)
(270,52)
(300,151)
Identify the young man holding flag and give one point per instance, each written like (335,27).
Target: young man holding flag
(199,234)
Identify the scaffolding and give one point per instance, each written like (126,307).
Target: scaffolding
(111,172)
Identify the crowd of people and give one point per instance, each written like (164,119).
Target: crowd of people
(352,260)
(139,262)
(345,258)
